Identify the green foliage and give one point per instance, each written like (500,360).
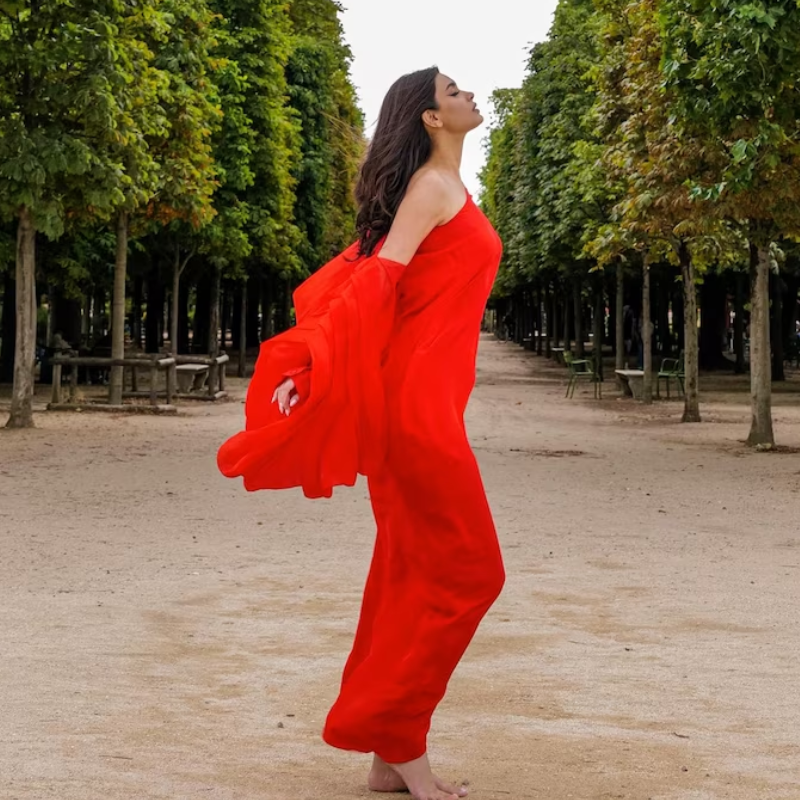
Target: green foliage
(226,128)
(499,178)
(733,69)
(256,146)
(646,123)
(545,189)
(73,76)
(331,131)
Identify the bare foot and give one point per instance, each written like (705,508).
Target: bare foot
(382,778)
(414,777)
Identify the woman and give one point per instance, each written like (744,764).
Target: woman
(374,379)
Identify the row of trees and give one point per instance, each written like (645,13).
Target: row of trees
(143,142)
(657,136)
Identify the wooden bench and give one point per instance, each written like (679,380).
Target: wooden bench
(191,377)
(153,364)
(632,382)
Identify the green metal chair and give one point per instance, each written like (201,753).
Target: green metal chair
(672,369)
(581,370)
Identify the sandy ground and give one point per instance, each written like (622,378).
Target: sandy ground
(166,635)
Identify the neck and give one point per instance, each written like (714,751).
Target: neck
(447,154)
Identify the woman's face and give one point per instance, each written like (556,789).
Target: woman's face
(457,112)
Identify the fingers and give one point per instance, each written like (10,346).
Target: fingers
(284,397)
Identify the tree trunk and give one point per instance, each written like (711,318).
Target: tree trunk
(539,319)
(8,331)
(760,361)
(176,302)
(691,403)
(118,310)
(555,316)
(647,334)
(253,303)
(25,345)
(738,324)
(184,292)
(155,303)
(136,312)
(270,323)
(663,332)
(242,372)
(567,344)
(214,314)
(679,317)
(778,289)
(577,312)
(202,313)
(610,333)
(549,310)
(225,313)
(598,325)
(621,356)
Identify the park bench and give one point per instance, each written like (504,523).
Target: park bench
(191,377)
(581,370)
(196,372)
(632,381)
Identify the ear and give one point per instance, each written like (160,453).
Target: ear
(431,118)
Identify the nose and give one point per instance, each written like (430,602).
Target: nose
(471,96)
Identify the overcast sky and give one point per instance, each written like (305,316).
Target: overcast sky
(483,46)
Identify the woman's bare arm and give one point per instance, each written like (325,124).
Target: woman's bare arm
(426,204)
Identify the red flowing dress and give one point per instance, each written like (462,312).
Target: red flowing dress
(384,359)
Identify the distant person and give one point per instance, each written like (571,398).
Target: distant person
(628,323)
(374,380)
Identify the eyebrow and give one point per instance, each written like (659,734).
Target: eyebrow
(451,85)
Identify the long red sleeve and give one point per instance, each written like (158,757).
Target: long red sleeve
(345,313)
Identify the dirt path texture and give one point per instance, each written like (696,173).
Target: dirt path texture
(166,635)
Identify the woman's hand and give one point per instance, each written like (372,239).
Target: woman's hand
(286,396)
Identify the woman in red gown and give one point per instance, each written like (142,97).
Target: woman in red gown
(374,380)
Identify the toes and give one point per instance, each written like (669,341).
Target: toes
(456,791)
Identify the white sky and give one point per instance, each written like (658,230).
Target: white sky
(481,45)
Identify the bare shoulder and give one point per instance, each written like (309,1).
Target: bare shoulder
(428,185)
(430,200)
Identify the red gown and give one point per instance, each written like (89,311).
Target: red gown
(392,352)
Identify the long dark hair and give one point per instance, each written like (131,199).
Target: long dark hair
(400,146)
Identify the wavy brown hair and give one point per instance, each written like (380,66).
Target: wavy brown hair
(400,146)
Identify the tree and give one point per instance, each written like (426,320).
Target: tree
(61,67)
(187,177)
(256,147)
(732,66)
(331,131)
(142,119)
(653,163)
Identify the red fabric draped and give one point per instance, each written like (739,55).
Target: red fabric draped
(391,352)
(345,313)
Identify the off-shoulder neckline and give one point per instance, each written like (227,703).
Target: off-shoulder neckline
(467,201)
